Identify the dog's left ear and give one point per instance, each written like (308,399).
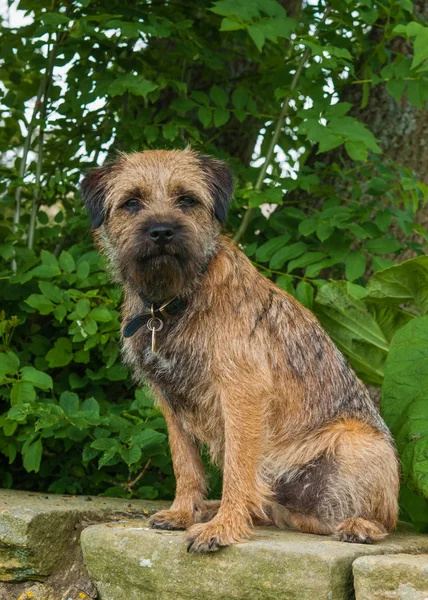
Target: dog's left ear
(93,191)
(220,182)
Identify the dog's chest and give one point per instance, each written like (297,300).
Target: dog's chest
(176,368)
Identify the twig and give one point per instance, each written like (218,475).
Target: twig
(130,484)
(36,197)
(269,155)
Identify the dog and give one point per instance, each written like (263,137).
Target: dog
(237,364)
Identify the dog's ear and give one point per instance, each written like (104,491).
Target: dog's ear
(220,182)
(93,191)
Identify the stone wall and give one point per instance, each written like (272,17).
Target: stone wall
(77,548)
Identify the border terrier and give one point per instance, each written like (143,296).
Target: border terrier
(237,364)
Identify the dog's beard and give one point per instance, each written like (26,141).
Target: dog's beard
(161,276)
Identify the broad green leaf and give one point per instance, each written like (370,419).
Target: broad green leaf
(37,378)
(22,391)
(39,302)
(51,291)
(101,314)
(257,35)
(420,47)
(147,438)
(355,331)
(306,259)
(83,270)
(69,402)
(32,456)
(105,444)
(204,115)
(221,117)
(305,293)
(130,455)
(355,265)
(219,96)
(61,354)
(9,364)
(83,306)
(406,283)
(268,249)
(287,253)
(383,246)
(66,262)
(135,84)
(405,401)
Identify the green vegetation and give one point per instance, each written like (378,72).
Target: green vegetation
(320,207)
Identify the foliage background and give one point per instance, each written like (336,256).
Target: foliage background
(320,109)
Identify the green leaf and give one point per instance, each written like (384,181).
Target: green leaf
(32,456)
(396,88)
(37,378)
(22,391)
(9,364)
(105,444)
(287,253)
(101,314)
(69,402)
(204,115)
(239,98)
(356,291)
(305,293)
(257,35)
(135,84)
(147,438)
(221,117)
(130,455)
(19,412)
(356,150)
(268,249)
(324,231)
(39,302)
(383,246)
(66,262)
(51,291)
(61,354)
(219,96)
(405,401)
(308,226)
(406,283)
(355,265)
(353,329)
(420,47)
(170,131)
(83,270)
(83,306)
(303,261)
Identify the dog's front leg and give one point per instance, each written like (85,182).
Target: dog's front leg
(244,495)
(189,474)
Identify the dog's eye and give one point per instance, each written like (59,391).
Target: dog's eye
(132,203)
(187,201)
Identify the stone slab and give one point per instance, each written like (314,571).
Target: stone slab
(37,531)
(399,577)
(132,562)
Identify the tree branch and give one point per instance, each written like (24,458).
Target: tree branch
(279,124)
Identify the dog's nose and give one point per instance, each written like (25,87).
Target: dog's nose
(161,234)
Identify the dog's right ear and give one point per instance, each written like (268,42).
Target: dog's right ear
(93,191)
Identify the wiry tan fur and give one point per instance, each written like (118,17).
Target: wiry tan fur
(244,369)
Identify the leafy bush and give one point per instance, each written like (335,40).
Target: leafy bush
(326,215)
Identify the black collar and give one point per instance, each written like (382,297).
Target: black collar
(157,310)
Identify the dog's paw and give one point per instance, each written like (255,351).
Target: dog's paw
(359,531)
(211,536)
(171,520)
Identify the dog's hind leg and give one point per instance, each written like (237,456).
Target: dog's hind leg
(349,490)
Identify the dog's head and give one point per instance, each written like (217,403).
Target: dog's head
(156,215)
